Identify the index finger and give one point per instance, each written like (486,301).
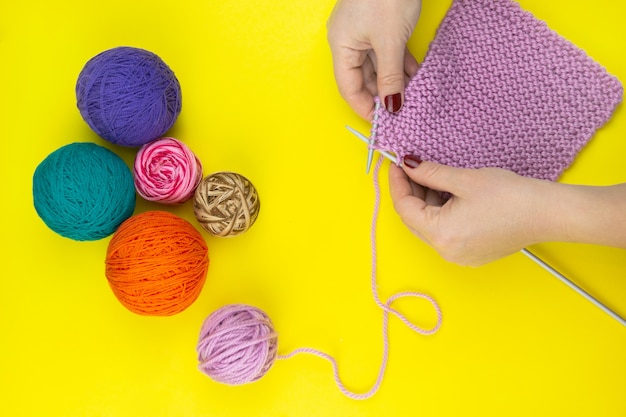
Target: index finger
(351,69)
(407,199)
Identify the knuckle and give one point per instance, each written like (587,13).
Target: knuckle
(429,170)
(391,79)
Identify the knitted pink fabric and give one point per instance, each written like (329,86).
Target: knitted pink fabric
(499,88)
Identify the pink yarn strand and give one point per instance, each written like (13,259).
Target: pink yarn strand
(386,310)
(386,306)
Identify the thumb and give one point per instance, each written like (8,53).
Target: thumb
(435,176)
(391,75)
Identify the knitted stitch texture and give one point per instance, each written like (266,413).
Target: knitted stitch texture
(498,88)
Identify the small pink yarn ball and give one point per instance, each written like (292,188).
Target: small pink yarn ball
(166,171)
(237,344)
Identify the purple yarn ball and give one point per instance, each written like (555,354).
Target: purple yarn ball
(237,344)
(128,96)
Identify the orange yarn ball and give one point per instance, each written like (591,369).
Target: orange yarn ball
(156,263)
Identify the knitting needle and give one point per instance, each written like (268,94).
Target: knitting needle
(529,254)
(366,140)
(573,286)
(370,157)
(372,139)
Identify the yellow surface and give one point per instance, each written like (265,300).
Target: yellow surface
(259,98)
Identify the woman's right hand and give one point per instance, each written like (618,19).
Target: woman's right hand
(368,41)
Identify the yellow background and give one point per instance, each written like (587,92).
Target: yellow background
(259,98)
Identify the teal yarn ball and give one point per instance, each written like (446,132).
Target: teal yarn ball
(83,191)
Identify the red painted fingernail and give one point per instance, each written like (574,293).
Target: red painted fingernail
(411,161)
(393,102)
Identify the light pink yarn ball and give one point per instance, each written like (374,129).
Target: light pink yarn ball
(166,171)
(237,344)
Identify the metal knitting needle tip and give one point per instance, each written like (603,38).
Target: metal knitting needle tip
(366,140)
(370,158)
(573,286)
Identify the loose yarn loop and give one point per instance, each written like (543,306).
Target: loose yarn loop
(128,96)
(156,264)
(226,204)
(83,191)
(166,171)
(498,88)
(237,345)
(386,306)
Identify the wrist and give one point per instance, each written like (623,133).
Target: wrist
(584,214)
(544,220)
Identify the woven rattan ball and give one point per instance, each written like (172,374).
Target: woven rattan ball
(226,204)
